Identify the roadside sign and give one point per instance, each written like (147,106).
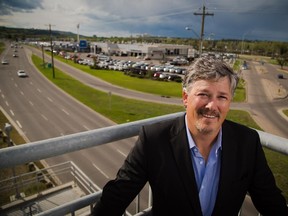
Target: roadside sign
(82,44)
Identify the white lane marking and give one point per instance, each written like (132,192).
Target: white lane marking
(31,103)
(39,90)
(122,153)
(7,104)
(16,85)
(65,112)
(3,96)
(100,171)
(11,112)
(21,92)
(86,127)
(18,123)
(49,99)
(43,116)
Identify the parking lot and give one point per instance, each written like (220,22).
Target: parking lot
(172,69)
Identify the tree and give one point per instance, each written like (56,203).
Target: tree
(282,57)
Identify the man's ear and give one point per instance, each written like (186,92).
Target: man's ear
(184,98)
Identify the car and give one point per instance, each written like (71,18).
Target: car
(280,76)
(178,70)
(4,62)
(157,74)
(163,76)
(22,73)
(15,55)
(244,67)
(174,77)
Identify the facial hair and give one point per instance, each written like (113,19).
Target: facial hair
(205,114)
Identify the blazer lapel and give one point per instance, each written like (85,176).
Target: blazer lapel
(181,151)
(227,167)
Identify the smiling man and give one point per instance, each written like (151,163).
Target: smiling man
(198,164)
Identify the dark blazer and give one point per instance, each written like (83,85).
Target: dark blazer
(162,157)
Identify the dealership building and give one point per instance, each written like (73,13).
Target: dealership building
(151,51)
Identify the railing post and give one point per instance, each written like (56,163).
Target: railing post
(138,203)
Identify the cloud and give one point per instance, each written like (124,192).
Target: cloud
(263,19)
(7,7)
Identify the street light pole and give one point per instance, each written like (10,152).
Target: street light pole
(242,44)
(187,28)
(52,54)
(8,129)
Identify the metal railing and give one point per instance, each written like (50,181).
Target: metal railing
(39,150)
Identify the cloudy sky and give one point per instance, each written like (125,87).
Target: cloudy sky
(232,19)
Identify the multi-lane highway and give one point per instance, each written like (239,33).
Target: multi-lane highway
(40,110)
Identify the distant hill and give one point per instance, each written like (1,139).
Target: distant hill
(25,33)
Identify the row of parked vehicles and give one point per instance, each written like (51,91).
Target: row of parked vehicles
(162,72)
(167,71)
(122,65)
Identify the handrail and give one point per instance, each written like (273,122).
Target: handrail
(39,150)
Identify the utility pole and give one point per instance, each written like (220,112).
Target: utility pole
(42,48)
(78,40)
(203,14)
(52,58)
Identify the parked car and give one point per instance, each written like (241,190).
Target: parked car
(280,76)
(174,77)
(163,76)
(178,70)
(157,74)
(22,73)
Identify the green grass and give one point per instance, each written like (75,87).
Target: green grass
(116,108)
(162,88)
(170,89)
(242,117)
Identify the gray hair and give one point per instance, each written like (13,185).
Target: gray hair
(209,68)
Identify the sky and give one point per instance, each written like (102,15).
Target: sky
(225,19)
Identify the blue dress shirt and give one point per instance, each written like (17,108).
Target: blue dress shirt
(206,174)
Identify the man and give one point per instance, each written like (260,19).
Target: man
(200,163)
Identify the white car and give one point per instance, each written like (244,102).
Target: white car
(22,73)
(4,62)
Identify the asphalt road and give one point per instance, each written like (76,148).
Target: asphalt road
(266,98)
(41,111)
